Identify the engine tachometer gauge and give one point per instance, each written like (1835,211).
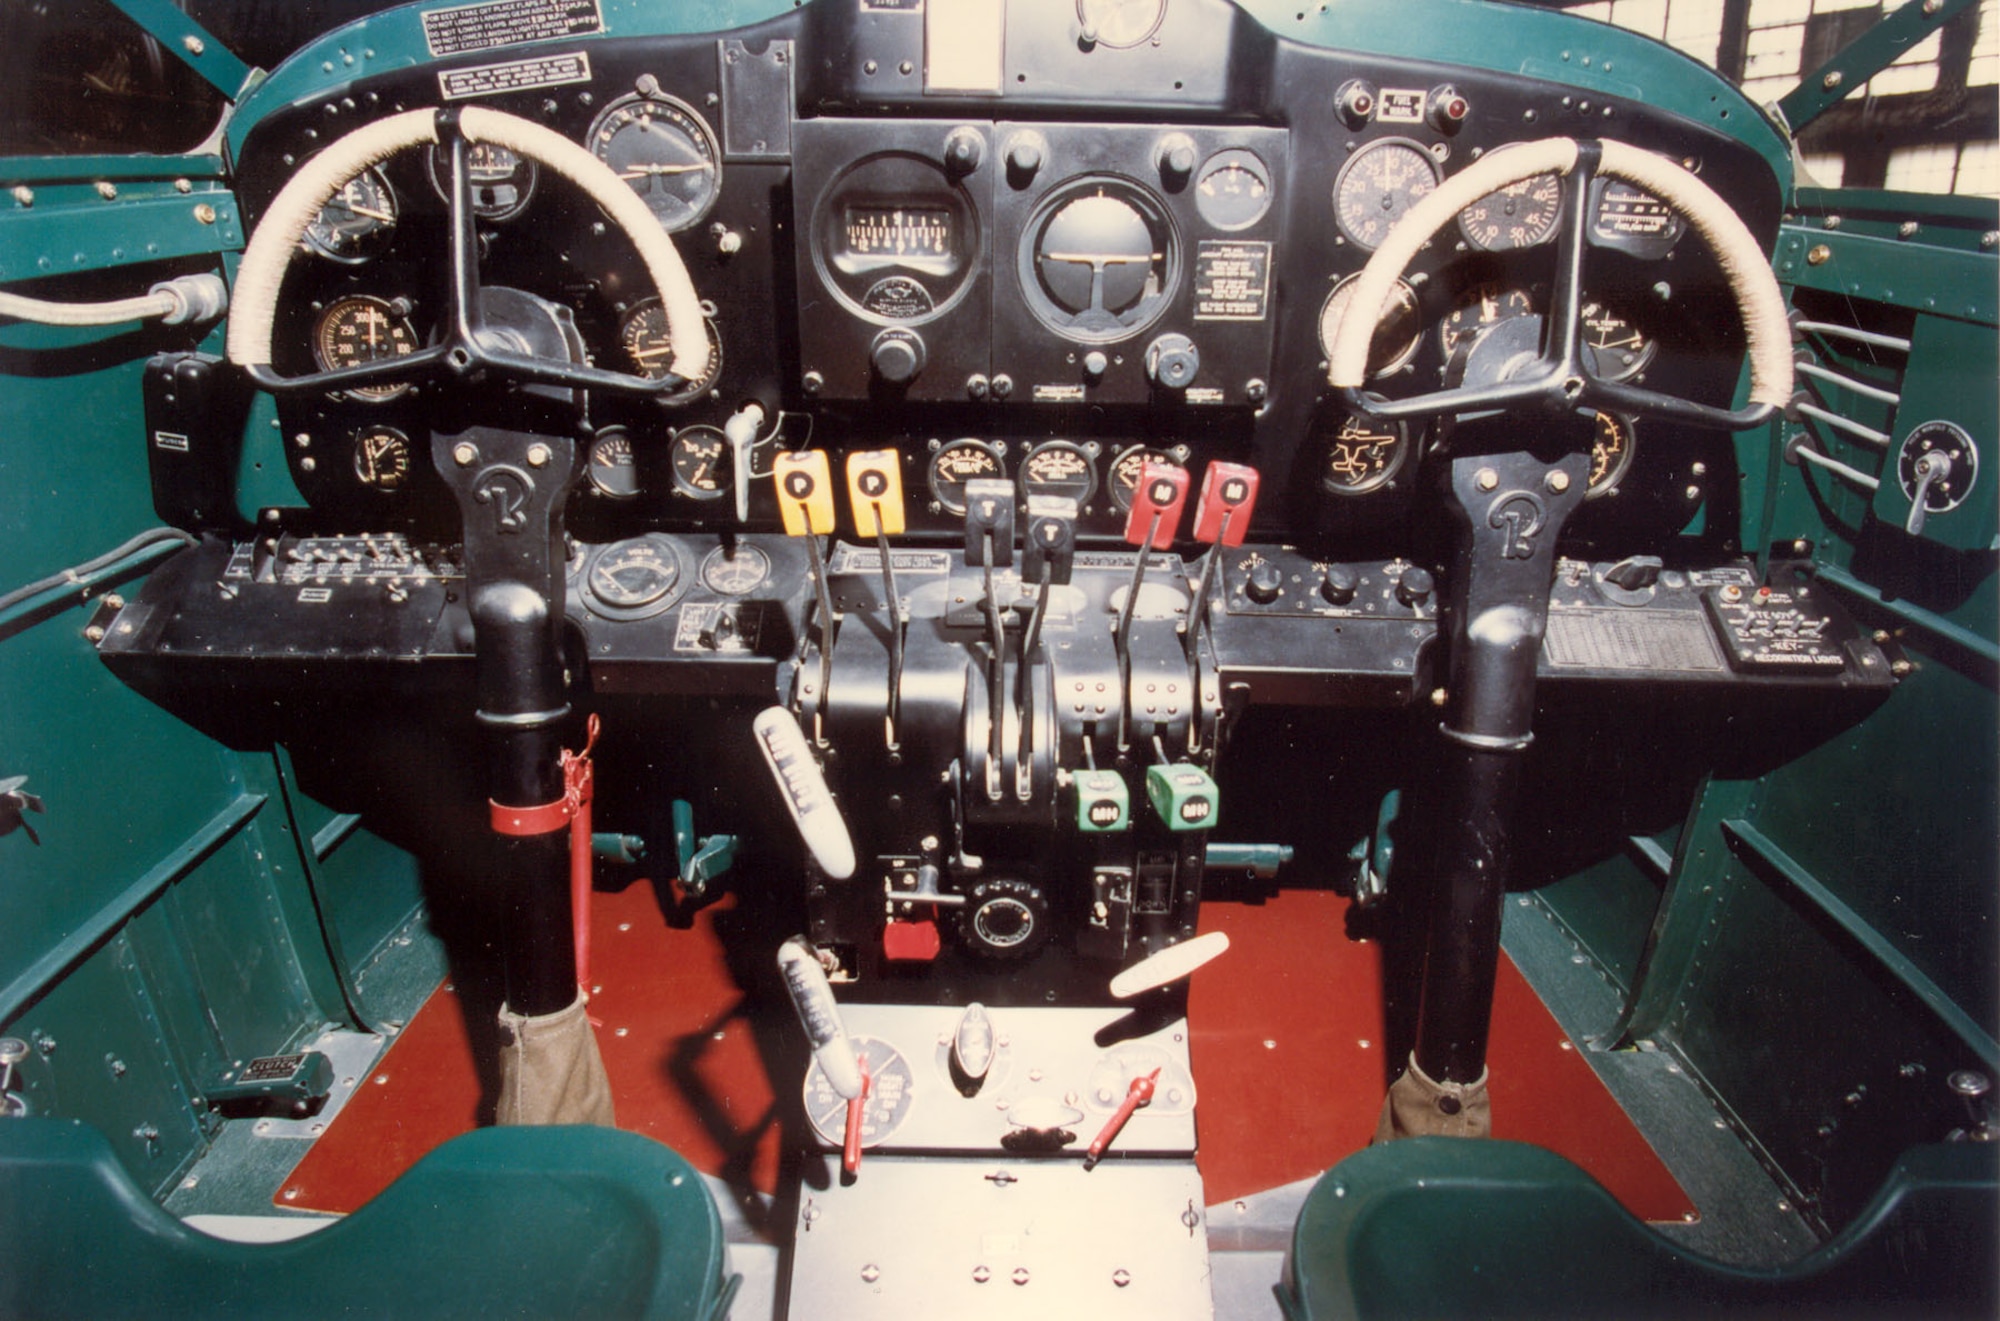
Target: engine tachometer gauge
(643,334)
(1611,453)
(1479,309)
(382,458)
(611,466)
(1366,455)
(501,181)
(1520,215)
(1060,468)
(633,579)
(360,329)
(1620,348)
(357,222)
(957,463)
(1234,189)
(1396,334)
(1125,472)
(700,457)
(1378,186)
(666,151)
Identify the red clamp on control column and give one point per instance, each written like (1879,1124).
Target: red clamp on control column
(573,810)
(1138,1094)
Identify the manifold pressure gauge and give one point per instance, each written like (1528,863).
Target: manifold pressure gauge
(1378,186)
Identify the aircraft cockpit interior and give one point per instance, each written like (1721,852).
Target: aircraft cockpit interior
(999,658)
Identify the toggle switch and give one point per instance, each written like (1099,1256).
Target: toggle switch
(1228,497)
(805,492)
(1051,538)
(1160,493)
(1183,796)
(989,516)
(875,489)
(1103,803)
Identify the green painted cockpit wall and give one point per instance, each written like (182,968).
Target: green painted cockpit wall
(164,928)
(1819,949)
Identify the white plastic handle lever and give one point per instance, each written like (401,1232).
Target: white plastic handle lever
(1169,965)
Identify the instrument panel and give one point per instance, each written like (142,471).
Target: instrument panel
(1046,285)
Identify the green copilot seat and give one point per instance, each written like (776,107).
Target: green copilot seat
(501,1222)
(1441,1227)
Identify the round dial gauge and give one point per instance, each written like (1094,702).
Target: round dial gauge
(956,464)
(666,152)
(1366,455)
(1059,468)
(1520,215)
(735,570)
(643,333)
(1125,473)
(1119,24)
(611,465)
(1610,453)
(357,222)
(382,458)
(701,463)
(1099,261)
(1620,348)
(362,329)
(1479,309)
(634,579)
(888,1103)
(1234,189)
(1378,186)
(1396,333)
(501,181)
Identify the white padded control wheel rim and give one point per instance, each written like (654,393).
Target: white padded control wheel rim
(283,228)
(1743,262)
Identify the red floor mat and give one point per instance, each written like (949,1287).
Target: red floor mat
(1286,1040)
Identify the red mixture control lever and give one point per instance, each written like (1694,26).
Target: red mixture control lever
(1138,1094)
(857,1110)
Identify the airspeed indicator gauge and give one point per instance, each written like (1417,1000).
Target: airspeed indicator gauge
(358,330)
(665,151)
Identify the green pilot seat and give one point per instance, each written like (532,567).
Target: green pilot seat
(1439,1227)
(501,1222)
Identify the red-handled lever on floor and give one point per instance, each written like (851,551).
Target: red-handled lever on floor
(1138,1094)
(857,1110)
